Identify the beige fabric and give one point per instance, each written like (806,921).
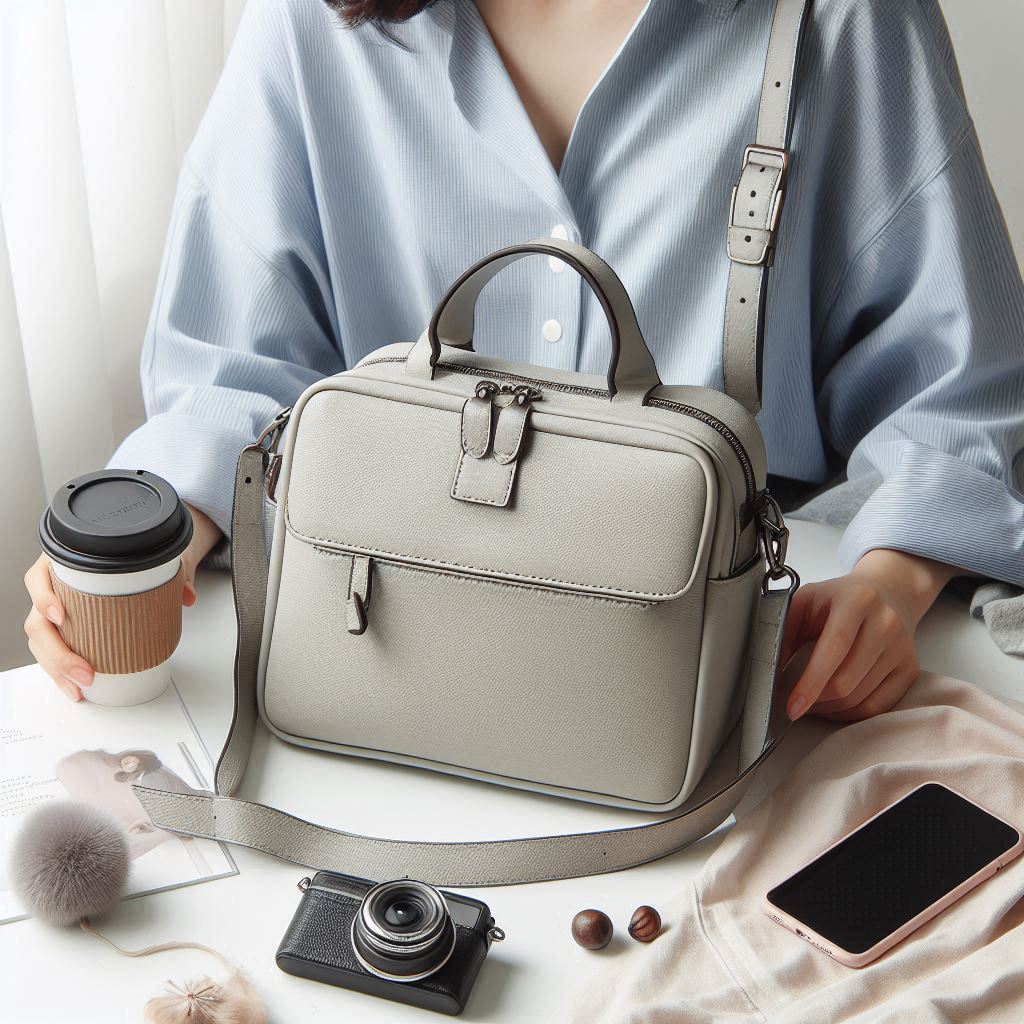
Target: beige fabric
(723,960)
(122,633)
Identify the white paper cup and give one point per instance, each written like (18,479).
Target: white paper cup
(115,540)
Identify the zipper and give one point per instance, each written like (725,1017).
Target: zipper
(579,389)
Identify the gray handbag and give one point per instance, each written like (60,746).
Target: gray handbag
(540,579)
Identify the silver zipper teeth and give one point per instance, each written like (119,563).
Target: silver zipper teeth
(579,389)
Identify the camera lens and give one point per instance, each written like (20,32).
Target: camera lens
(403,931)
(403,914)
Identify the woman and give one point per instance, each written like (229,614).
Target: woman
(343,176)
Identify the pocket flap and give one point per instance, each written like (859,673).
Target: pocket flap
(596,508)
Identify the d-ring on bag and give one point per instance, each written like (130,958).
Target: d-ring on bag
(530,577)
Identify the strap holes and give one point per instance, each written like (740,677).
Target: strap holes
(752,194)
(248,479)
(777,84)
(743,300)
(751,213)
(761,169)
(746,238)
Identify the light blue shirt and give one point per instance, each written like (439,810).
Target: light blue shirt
(339,182)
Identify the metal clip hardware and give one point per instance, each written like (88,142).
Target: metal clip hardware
(774,536)
(274,429)
(271,434)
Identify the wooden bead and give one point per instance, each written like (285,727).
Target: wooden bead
(592,929)
(645,924)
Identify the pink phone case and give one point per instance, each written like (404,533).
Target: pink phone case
(861,959)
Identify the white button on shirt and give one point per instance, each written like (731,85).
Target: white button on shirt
(552,330)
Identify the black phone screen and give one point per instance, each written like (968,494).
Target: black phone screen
(893,868)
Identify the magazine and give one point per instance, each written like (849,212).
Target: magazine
(54,749)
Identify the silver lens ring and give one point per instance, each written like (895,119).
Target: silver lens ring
(397,951)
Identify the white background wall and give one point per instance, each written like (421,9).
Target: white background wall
(988,35)
(105,95)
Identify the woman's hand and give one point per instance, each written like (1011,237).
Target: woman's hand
(69,670)
(862,626)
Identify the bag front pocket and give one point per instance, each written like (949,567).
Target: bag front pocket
(530,686)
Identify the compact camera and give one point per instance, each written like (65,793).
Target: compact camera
(402,940)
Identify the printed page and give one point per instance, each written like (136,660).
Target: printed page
(52,749)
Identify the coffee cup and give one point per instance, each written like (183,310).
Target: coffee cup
(114,539)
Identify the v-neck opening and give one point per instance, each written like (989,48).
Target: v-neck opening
(474,51)
(613,60)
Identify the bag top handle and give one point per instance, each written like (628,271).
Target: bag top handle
(631,369)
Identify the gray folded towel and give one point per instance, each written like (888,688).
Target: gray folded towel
(1001,607)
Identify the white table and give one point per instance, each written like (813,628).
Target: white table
(49,975)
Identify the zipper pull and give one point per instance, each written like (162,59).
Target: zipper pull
(477,419)
(511,428)
(358,595)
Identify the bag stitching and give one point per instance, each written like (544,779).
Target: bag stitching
(514,586)
(311,538)
(466,496)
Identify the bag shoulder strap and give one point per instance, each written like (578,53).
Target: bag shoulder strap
(754,210)
(758,731)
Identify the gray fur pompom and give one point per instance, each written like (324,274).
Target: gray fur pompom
(68,861)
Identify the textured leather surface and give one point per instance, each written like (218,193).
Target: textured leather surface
(730,611)
(619,519)
(733,542)
(317,945)
(478,674)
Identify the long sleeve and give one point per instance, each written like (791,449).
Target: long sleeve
(243,318)
(927,397)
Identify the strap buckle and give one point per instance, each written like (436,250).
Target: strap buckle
(754,223)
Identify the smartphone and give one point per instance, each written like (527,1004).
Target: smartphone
(870,889)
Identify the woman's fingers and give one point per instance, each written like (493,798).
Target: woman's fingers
(44,600)
(844,612)
(67,669)
(881,698)
(886,661)
(867,647)
(188,566)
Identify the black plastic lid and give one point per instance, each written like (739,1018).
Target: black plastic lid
(115,520)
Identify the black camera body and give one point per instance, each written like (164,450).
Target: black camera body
(401,940)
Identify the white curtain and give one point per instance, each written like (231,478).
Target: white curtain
(98,102)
